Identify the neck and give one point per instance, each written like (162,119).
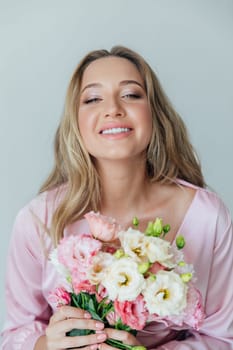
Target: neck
(124,188)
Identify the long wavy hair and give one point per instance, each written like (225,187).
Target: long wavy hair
(170,154)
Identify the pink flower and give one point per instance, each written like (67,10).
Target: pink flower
(103,227)
(194,311)
(155,267)
(76,253)
(112,318)
(132,313)
(101,293)
(60,297)
(83,286)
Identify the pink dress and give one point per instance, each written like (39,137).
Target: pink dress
(207,228)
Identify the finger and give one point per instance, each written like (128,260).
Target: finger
(123,336)
(89,347)
(59,344)
(65,312)
(66,325)
(82,341)
(104,346)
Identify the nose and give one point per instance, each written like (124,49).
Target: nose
(113,108)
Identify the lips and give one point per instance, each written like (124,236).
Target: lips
(113,129)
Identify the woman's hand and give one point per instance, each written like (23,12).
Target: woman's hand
(68,318)
(125,337)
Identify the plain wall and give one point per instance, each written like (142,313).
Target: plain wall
(187,42)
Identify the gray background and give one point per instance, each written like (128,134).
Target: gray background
(188,43)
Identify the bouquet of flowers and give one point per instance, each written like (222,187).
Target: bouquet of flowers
(126,278)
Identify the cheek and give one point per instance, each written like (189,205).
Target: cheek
(146,120)
(83,124)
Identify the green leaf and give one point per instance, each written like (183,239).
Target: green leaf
(77,332)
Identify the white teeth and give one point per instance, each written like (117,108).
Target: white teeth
(115,130)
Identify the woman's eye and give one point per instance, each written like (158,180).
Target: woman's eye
(92,100)
(131,96)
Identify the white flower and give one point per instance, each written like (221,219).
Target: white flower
(183,268)
(100,262)
(157,250)
(123,281)
(61,269)
(132,243)
(166,295)
(143,248)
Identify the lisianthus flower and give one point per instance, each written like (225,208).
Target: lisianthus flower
(155,267)
(132,243)
(76,252)
(61,269)
(82,286)
(157,250)
(112,317)
(194,311)
(97,270)
(103,227)
(133,313)
(122,280)
(60,297)
(166,294)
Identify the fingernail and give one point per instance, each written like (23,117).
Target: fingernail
(99,325)
(87,315)
(94,347)
(101,336)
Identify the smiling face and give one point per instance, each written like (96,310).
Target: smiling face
(114,115)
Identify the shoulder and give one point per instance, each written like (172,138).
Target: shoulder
(209,206)
(32,223)
(43,205)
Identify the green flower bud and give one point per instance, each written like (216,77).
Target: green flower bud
(181,263)
(157,227)
(69,279)
(152,277)
(180,242)
(166,228)
(119,253)
(142,268)
(135,221)
(149,230)
(186,277)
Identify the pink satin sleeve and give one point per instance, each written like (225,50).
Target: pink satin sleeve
(27,310)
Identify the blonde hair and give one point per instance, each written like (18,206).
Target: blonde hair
(170,155)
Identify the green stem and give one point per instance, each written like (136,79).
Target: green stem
(119,345)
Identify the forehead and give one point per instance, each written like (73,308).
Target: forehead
(111,68)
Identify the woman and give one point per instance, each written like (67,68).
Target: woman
(120,149)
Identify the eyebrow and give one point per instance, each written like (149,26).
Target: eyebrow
(122,83)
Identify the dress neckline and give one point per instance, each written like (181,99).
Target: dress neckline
(190,207)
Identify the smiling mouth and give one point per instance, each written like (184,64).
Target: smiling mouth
(114,131)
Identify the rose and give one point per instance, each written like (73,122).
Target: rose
(122,280)
(133,313)
(103,227)
(166,294)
